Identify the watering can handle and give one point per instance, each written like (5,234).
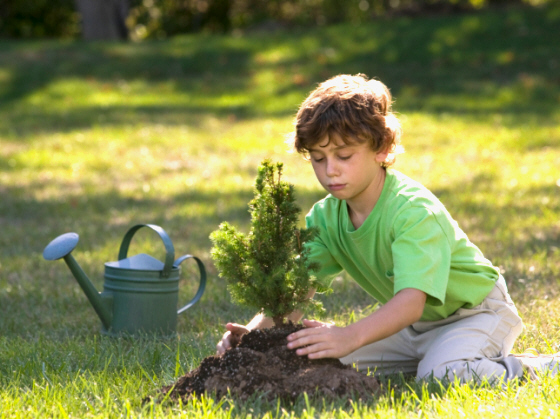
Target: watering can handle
(202,280)
(169,249)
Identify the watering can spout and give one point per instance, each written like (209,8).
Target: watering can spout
(61,247)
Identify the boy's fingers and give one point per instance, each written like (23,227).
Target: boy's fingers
(222,346)
(314,351)
(226,342)
(313,337)
(321,354)
(321,349)
(305,332)
(237,329)
(231,337)
(298,336)
(313,323)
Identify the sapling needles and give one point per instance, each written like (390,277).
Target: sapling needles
(268,268)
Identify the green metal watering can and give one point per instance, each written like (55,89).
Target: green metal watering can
(140,293)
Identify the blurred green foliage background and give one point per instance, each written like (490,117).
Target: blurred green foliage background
(164,18)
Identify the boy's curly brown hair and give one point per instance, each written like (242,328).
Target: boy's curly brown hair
(352,107)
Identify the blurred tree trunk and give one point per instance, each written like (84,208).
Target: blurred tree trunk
(103,19)
(218,15)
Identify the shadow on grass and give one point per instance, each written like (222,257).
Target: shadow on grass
(44,292)
(509,221)
(101,218)
(106,215)
(503,61)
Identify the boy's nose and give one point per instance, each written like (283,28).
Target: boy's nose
(332,168)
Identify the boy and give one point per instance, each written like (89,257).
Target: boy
(446,311)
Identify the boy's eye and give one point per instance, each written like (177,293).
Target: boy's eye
(317,159)
(345,157)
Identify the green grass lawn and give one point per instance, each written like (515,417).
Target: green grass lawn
(95,138)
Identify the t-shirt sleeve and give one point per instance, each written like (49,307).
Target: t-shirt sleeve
(421,254)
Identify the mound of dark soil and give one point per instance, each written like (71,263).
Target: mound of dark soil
(262,363)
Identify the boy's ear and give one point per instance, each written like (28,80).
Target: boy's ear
(381,156)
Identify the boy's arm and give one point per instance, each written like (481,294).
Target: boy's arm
(260,321)
(321,340)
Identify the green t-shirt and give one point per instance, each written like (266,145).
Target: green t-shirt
(409,240)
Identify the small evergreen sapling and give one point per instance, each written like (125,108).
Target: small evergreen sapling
(268,269)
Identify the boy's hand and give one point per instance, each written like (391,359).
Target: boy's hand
(322,340)
(232,337)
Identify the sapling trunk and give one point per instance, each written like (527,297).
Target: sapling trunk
(278,321)
(268,269)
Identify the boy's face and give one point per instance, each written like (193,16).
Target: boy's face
(348,171)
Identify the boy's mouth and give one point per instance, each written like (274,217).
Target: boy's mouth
(336,186)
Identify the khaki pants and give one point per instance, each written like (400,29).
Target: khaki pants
(469,344)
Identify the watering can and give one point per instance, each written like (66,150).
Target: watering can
(140,293)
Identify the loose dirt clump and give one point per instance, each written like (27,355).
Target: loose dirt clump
(262,363)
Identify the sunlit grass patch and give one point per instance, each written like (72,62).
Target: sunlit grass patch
(97,137)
